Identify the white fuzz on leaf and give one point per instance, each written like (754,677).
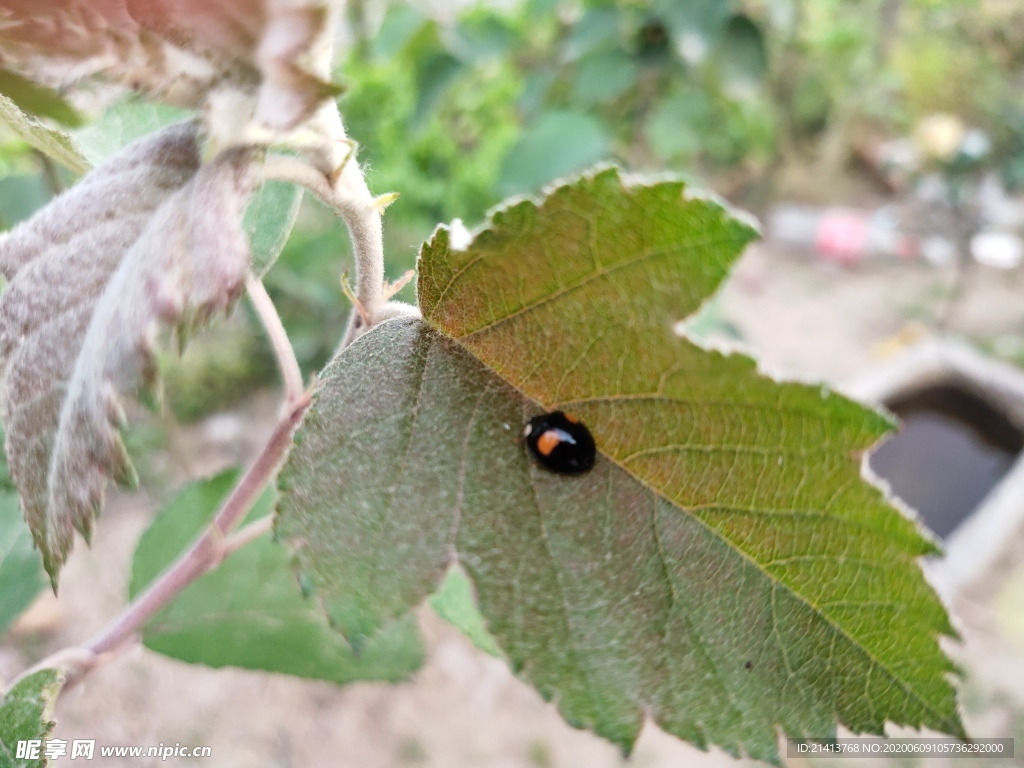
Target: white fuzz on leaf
(151,239)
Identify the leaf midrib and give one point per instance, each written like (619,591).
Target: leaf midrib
(953,726)
(906,687)
(590,277)
(595,275)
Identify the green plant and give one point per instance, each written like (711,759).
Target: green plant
(722,568)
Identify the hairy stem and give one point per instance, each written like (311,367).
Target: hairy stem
(348,196)
(361,212)
(291,373)
(205,554)
(292,170)
(365,226)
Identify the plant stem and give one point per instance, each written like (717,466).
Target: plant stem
(292,170)
(209,550)
(361,212)
(348,196)
(205,554)
(291,373)
(249,533)
(366,229)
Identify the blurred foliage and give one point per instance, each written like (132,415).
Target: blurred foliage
(27,180)
(305,285)
(435,128)
(216,366)
(21,570)
(250,612)
(458,110)
(121,123)
(37,100)
(458,113)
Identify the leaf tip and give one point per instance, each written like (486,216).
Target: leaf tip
(306,585)
(52,569)
(357,642)
(83,524)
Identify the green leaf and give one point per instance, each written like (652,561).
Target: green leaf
(482,35)
(696,24)
(435,75)
(21,570)
(454,602)
(434,66)
(122,123)
(722,568)
(400,25)
(250,612)
(269,220)
(596,29)
(51,142)
(535,89)
(604,76)
(673,128)
(36,99)
(742,57)
(21,195)
(25,715)
(540,8)
(556,145)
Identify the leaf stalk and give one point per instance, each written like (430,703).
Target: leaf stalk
(291,373)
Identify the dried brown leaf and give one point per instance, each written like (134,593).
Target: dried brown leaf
(151,239)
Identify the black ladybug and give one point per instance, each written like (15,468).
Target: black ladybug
(560,443)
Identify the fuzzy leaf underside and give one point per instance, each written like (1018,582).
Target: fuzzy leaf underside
(250,612)
(179,50)
(150,240)
(272,211)
(25,714)
(723,568)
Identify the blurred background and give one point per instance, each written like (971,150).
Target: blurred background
(881,145)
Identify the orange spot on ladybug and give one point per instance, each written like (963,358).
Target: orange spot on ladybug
(547,442)
(570,418)
(560,444)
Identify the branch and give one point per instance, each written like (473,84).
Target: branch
(249,533)
(205,554)
(291,373)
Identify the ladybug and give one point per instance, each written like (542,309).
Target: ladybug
(560,443)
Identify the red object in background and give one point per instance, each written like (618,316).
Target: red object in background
(842,236)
